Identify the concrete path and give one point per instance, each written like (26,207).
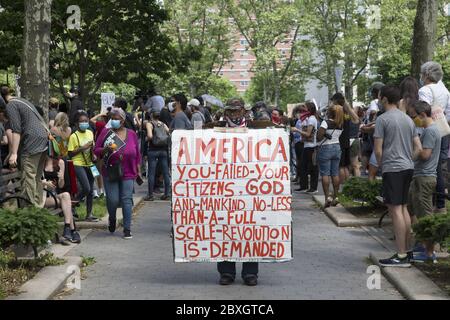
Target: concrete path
(329,263)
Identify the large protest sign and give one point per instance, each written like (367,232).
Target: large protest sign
(108,99)
(231,196)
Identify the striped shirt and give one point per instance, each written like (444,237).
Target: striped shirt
(34,137)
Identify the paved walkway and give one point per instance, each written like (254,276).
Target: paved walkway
(329,263)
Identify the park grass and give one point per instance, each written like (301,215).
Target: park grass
(14,273)
(99,209)
(359,208)
(439,273)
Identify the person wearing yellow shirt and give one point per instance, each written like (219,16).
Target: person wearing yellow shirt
(80,148)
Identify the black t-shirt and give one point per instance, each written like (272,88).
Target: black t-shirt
(344,139)
(165,117)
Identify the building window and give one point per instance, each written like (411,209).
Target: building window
(244,83)
(244,62)
(244,42)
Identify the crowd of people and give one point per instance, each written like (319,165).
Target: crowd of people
(77,156)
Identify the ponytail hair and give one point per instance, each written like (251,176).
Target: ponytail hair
(336,112)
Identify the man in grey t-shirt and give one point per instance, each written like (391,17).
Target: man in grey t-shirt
(424,182)
(396,143)
(29,143)
(180,120)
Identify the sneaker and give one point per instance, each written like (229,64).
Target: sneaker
(310,191)
(149,198)
(251,280)
(127,235)
(112,226)
(422,257)
(301,190)
(419,248)
(165,198)
(67,234)
(226,279)
(395,261)
(410,255)
(76,238)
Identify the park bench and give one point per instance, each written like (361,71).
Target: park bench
(10,186)
(10,190)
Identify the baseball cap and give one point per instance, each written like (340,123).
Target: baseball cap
(194,102)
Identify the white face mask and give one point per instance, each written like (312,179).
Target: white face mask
(171,106)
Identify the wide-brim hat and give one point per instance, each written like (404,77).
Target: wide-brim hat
(235,104)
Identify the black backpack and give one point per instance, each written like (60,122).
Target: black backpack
(160,136)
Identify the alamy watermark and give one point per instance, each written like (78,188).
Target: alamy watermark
(74,20)
(74,280)
(374,280)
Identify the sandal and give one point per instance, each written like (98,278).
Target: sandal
(335,202)
(328,202)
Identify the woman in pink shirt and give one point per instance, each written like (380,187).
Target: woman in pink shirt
(118,147)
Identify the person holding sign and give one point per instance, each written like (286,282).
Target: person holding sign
(118,147)
(234,116)
(81,143)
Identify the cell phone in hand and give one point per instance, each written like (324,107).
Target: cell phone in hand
(139,181)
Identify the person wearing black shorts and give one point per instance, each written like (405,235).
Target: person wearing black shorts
(396,145)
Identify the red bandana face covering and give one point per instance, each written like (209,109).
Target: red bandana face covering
(276,120)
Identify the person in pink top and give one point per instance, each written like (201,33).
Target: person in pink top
(118,147)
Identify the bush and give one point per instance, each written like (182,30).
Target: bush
(435,228)
(362,189)
(6,257)
(28,226)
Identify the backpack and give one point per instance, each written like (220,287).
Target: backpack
(160,136)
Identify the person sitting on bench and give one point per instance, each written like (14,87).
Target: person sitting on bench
(54,183)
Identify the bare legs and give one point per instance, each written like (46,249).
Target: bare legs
(64,201)
(326,187)
(402,227)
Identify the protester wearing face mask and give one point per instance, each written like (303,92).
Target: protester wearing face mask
(80,148)
(118,147)
(234,114)
(235,118)
(178,106)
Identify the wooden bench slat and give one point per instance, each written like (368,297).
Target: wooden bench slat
(13,186)
(10,176)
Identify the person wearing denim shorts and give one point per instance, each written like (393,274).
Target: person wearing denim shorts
(329,155)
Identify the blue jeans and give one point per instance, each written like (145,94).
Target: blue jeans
(120,193)
(329,158)
(153,157)
(86,180)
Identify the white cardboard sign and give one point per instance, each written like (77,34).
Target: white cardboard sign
(108,99)
(231,196)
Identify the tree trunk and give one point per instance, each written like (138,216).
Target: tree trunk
(277,86)
(34,81)
(425,26)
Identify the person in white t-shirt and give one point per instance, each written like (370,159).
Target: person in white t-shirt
(308,164)
(434,93)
